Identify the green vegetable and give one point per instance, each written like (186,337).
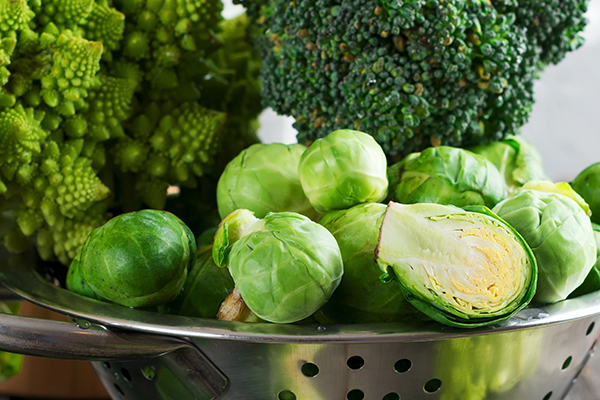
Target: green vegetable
(75,283)
(285,266)
(461,268)
(343,169)
(446,175)
(560,234)
(361,297)
(138,259)
(411,73)
(10,363)
(104,105)
(264,178)
(205,288)
(516,159)
(587,184)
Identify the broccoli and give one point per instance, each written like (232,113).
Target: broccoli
(104,104)
(412,73)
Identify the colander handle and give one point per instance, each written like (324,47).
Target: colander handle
(81,340)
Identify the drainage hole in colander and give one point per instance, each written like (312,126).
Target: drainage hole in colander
(355,362)
(119,390)
(391,396)
(309,369)
(148,372)
(286,395)
(106,365)
(355,394)
(590,329)
(126,375)
(432,385)
(567,362)
(548,396)
(402,366)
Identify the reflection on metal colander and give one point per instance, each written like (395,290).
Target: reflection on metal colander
(536,364)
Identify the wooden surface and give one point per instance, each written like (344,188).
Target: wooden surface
(45,378)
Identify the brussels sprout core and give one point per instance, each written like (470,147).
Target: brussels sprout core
(459,267)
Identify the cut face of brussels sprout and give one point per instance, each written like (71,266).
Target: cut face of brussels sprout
(446,175)
(461,268)
(560,234)
(264,178)
(343,169)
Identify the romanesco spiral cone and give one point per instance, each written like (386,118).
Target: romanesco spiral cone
(106,25)
(21,139)
(66,14)
(75,62)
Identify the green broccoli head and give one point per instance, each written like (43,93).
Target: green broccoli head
(411,73)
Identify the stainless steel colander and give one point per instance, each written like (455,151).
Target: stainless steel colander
(536,355)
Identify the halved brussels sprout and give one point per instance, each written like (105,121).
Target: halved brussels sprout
(446,175)
(362,297)
(285,265)
(461,268)
(516,159)
(205,288)
(343,169)
(560,234)
(138,259)
(264,178)
(587,184)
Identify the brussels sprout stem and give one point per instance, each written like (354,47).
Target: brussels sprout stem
(234,308)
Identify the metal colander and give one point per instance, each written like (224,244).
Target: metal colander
(536,355)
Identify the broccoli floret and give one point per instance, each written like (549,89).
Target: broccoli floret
(412,73)
(105,104)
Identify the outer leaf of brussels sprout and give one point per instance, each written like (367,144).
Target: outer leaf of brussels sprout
(560,235)
(264,178)
(587,184)
(516,159)
(75,282)
(461,268)
(343,169)
(205,288)
(138,259)
(288,269)
(362,297)
(560,187)
(228,232)
(446,175)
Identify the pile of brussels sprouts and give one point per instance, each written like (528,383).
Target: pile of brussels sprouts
(331,233)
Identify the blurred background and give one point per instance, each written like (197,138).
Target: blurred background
(564,124)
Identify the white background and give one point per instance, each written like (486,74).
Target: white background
(564,124)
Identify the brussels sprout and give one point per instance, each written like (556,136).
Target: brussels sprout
(560,234)
(343,169)
(562,188)
(361,297)
(446,175)
(264,178)
(587,184)
(592,281)
(285,265)
(138,259)
(461,268)
(75,282)
(205,288)
(516,159)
